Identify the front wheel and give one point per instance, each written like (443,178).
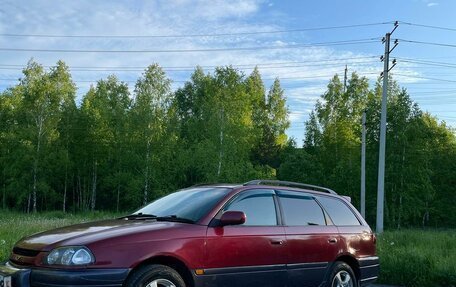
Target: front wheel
(155,276)
(342,276)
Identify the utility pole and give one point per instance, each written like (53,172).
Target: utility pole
(381,155)
(345,78)
(363,167)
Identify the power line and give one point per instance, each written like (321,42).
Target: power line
(182,81)
(425,61)
(212,66)
(128,69)
(428,26)
(84,81)
(427,58)
(436,104)
(334,43)
(175,69)
(197,35)
(428,63)
(439,74)
(426,89)
(317,77)
(428,43)
(425,78)
(423,83)
(430,73)
(452,111)
(436,98)
(433,92)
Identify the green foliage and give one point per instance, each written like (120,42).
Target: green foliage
(117,151)
(424,257)
(272,122)
(224,126)
(418,186)
(33,110)
(153,134)
(300,166)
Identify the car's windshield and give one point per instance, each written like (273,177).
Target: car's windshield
(192,203)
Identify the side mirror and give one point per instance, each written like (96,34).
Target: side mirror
(233,218)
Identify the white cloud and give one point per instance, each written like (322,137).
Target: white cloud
(298,116)
(431,4)
(305,95)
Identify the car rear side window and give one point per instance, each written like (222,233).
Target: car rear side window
(339,212)
(258,206)
(300,209)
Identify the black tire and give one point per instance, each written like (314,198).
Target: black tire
(341,271)
(149,273)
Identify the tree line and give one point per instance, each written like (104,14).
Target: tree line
(119,148)
(420,175)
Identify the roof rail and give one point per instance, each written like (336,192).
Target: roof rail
(289,184)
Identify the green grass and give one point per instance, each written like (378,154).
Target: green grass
(409,258)
(14,226)
(418,258)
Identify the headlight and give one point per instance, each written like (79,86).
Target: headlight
(73,255)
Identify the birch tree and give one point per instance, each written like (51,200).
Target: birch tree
(150,119)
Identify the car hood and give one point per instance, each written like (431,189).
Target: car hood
(86,233)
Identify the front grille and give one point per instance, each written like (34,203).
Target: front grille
(25,252)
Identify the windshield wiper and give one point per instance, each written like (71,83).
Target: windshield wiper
(145,216)
(139,216)
(174,218)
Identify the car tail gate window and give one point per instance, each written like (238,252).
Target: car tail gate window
(339,211)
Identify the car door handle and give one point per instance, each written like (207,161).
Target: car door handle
(332,240)
(277,242)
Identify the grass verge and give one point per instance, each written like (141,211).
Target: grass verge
(415,258)
(408,258)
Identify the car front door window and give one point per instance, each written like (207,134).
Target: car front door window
(258,206)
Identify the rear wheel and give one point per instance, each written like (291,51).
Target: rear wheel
(342,276)
(155,276)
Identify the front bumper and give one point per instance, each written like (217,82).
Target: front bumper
(34,277)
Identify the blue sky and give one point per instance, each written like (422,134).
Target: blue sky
(303,81)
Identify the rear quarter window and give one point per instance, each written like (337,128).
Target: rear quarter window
(300,209)
(339,212)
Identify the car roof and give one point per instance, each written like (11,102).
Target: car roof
(274,184)
(222,185)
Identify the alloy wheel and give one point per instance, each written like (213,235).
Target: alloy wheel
(161,283)
(342,279)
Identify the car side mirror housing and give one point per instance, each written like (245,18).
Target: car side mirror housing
(233,218)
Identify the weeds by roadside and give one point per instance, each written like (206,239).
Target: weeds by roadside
(415,258)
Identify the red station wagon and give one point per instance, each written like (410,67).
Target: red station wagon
(261,233)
